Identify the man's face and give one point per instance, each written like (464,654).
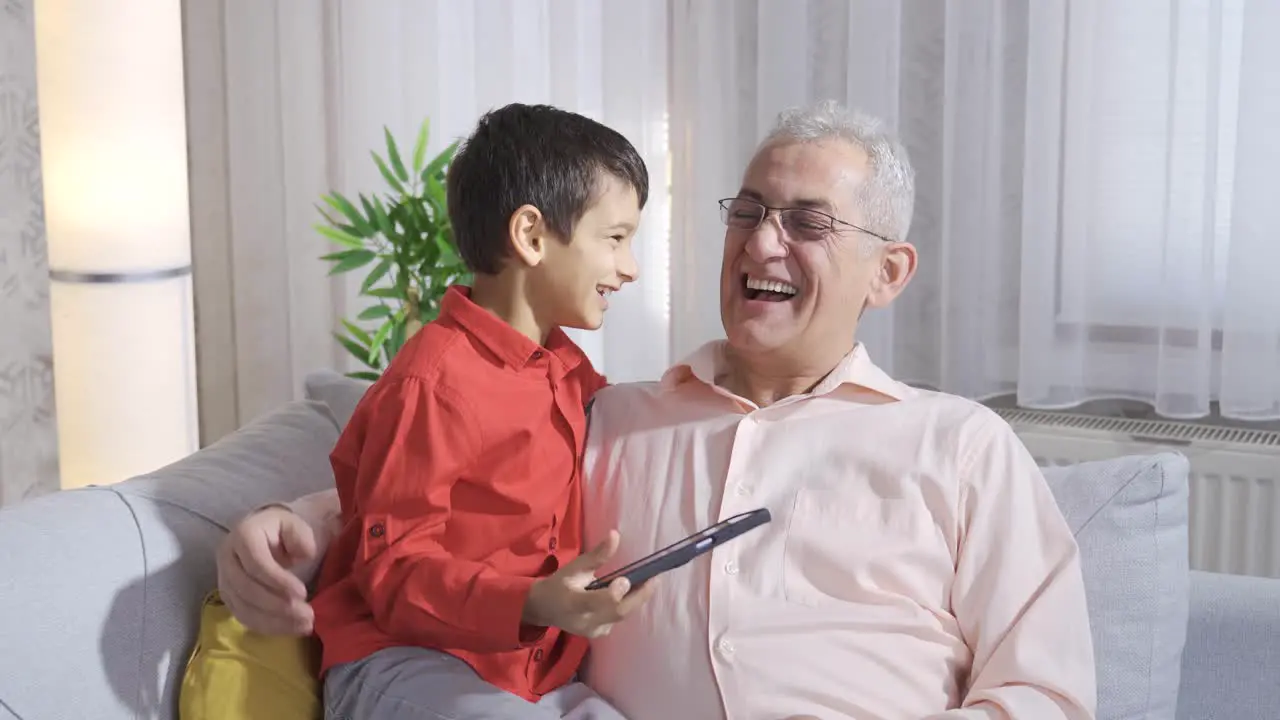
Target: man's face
(826,276)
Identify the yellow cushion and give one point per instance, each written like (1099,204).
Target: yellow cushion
(236,673)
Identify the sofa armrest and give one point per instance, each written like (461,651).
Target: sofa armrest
(1232,655)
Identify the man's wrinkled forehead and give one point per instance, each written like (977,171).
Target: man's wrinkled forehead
(815,203)
(822,175)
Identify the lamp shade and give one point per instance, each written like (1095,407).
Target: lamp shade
(114,159)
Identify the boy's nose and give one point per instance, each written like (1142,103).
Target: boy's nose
(628,268)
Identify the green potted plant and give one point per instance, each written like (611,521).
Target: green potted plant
(402,239)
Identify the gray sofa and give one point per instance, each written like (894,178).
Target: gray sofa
(101,587)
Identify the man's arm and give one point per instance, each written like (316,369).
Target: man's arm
(1019,594)
(420,438)
(323,514)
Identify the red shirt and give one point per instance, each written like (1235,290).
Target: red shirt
(459,478)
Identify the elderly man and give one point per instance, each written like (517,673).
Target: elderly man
(916,565)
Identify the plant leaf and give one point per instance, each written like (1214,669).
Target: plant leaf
(364,375)
(377,274)
(379,338)
(385,293)
(356,351)
(420,146)
(368,208)
(344,206)
(358,333)
(349,260)
(375,312)
(386,173)
(384,222)
(448,253)
(396,341)
(393,153)
(434,196)
(339,236)
(439,162)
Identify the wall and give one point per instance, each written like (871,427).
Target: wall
(28,444)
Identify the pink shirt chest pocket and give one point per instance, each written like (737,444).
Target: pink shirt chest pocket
(847,547)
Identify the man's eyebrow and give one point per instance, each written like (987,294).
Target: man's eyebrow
(816,203)
(813,203)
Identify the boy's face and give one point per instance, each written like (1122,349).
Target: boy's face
(572,284)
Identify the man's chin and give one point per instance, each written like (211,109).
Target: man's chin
(758,338)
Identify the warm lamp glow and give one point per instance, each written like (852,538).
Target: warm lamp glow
(114,156)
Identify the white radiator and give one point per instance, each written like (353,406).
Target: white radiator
(1235,477)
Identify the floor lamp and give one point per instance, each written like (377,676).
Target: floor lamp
(114,158)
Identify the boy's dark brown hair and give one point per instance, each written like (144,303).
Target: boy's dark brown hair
(532,155)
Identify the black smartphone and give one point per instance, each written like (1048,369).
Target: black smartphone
(680,553)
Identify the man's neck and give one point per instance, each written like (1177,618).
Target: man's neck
(764,379)
(505,297)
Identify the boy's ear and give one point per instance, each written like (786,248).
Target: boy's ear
(527,233)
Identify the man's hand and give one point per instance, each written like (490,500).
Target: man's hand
(562,600)
(253,578)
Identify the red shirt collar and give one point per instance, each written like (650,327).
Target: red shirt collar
(499,338)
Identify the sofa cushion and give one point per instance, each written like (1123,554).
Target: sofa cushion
(1130,518)
(339,392)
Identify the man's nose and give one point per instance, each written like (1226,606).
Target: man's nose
(766,242)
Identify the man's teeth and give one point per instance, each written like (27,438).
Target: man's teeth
(771,286)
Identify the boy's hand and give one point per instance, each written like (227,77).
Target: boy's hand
(562,600)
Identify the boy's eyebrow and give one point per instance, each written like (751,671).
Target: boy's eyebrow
(624,225)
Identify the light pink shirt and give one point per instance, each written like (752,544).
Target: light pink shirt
(916,565)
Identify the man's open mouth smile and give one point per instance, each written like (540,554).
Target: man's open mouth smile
(768,290)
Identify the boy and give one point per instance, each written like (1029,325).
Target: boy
(455,588)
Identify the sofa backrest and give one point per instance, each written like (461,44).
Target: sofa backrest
(102,586)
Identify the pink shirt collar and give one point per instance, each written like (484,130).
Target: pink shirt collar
(855,368)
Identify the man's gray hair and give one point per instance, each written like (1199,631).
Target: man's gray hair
(887,198)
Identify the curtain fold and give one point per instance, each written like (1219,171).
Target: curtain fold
(292,99)
(28,431)
(1093,214)
(1092,211)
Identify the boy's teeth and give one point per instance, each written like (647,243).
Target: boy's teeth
(771,286)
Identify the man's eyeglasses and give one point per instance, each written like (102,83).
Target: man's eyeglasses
(801,223)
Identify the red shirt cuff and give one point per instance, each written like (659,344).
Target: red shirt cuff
(500,603)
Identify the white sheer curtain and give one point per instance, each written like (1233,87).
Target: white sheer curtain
(306,89)
(1095,214)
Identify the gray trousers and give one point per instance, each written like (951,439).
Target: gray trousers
(409,683)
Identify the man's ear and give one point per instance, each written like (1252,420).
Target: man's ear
(527,233)
(897,267)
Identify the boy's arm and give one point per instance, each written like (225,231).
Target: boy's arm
(420,437)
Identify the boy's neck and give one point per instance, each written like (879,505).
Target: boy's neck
(504,296)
